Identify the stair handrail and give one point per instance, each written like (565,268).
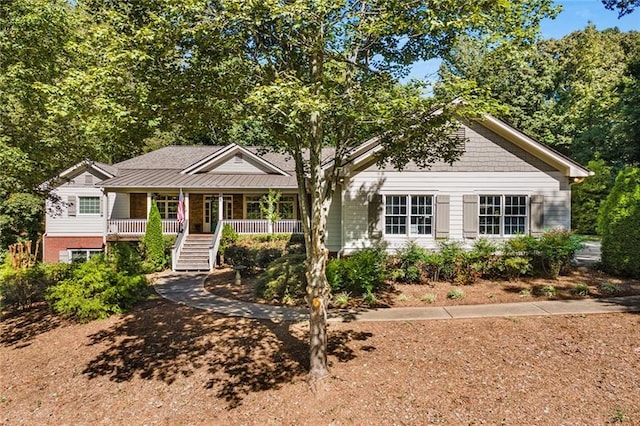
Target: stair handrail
(177,246)
(213,249)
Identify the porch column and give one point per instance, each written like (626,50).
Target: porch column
(220,207)
(149,198)
(186,213)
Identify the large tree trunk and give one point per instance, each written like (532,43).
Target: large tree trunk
(317,292)
(315,230)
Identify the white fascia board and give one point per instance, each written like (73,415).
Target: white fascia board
(535,148)
(227,152)
(206,160)
(84,163)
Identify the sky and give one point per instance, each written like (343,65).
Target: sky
(575,15)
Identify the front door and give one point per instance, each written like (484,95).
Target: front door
(212,213)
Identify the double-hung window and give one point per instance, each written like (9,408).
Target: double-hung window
(286,206)
(408,214)
(167,206)
(88,205)
(502,214)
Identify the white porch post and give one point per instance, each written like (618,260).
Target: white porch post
(186,213)
(105,213)
(149,197)
(220,208)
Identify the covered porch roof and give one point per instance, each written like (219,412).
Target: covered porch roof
(168,179)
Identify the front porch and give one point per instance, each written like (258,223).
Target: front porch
(136,228)
(203,212)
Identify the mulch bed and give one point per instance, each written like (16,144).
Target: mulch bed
(222,283)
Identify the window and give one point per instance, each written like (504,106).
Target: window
(416,210)
(82,255)
(167,206)
(88,205)
(253,206)
(421,214)
(286,206)
(515,214)
(503,214)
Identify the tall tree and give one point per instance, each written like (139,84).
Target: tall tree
(624,6)
(566,92)
(327,72)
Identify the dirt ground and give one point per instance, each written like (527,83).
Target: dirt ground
(169,364)
(222,283)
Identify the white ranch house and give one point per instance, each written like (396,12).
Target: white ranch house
(504,184)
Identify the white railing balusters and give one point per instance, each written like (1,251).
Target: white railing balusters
(139,226)
(241,226)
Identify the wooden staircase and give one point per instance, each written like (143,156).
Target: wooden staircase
(194,255)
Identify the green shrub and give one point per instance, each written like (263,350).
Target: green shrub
(125,258)
(432,265)
(258,251)
(239,255)
(555,249)
(285,276)
(22,287)
(229,237)
(453,259)
(264,257)
(96,290)
(513,267)
(410,261)
(619,224)
(152,244)
(362,272)
(483,255)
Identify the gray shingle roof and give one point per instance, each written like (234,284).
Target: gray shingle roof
(161,169)
(169,157)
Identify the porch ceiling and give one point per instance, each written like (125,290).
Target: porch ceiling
(167,178)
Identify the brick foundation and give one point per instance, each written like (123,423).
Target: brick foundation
(53,245)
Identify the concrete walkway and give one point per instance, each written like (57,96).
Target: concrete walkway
(188,289)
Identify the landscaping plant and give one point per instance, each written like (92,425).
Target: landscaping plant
(152,243)
(619,225)
(362,272)
(96,289)
(284,277)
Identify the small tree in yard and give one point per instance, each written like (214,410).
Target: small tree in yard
(327,72)
(269,208)
(153,242)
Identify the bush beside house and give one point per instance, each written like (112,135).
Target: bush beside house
(619,224)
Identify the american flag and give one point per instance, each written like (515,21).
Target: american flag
(180,216)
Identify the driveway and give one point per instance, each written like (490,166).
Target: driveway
(589,255)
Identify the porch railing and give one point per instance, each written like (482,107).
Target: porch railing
(139,226)
(262,226)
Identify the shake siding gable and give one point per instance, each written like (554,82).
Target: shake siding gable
(63,218)
(238,164)
(490,165)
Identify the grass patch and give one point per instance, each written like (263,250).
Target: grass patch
(429,298)
(580,289)
(608,289)
(341,299)
(455,293)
